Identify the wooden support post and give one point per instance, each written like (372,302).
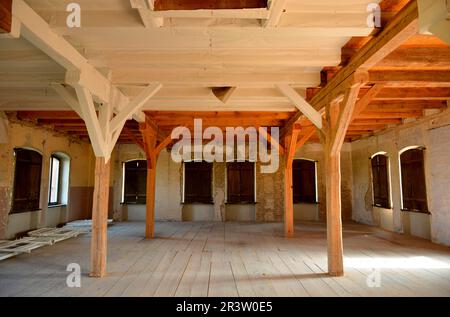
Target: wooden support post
(334,219)
(290,147)
(100,218)
(5,16)
(149,131)
(150,211)
(149,135)
(338,118)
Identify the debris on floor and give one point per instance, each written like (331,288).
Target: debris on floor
(56,234)
(24,245)
(84,225)
(39,238)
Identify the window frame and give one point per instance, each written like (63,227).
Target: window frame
(388,202)
(297,199)
(241,201)
(198,200)
(143,197)
(58,188)
(423,158)
(14,209)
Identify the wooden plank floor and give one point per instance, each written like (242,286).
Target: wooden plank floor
(234,259)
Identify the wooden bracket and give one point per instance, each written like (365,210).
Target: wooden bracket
(145,9)
(434,18)
(314,116)
(134,105)
(266,135)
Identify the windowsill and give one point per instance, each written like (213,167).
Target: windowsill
(134,204)
(24,212)
(56,206)
(305,203)
(382,207)
(243,203)
(416,211)
(197,203)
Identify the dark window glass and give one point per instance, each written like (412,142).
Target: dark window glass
(135,190)
(380,181)
(304,181)
(241,182)
(27,181)
(414,192)
(198,182)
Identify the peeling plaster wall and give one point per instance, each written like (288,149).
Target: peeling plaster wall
(270,194)
(80,180)
(269,189)
(168,186)
(434,135)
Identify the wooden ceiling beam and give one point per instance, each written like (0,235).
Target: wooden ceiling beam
(417,57)
(57,115)
(411,78)
(165,5)
(158,115)
(402,27)
(382,115)
(383,122)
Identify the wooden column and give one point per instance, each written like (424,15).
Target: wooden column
(338,118)
(290,142)
(334,218)
(100,218)
(150,144)
(5,16)
(149,132)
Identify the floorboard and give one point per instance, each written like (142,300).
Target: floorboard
(234,259)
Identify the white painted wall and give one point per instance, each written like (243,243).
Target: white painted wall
(434,135)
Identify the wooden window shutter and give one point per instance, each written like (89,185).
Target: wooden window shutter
(27,181)
(241,182)
(380,180)
(198,182)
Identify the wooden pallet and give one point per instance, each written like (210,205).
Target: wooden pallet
(7,255)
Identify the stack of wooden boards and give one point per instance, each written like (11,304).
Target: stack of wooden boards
(37,239)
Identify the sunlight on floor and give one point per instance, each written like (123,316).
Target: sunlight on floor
(417,262)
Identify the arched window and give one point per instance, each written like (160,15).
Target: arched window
(27,181)
(380,181)
(135,182)
(304,181)
(414,191)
